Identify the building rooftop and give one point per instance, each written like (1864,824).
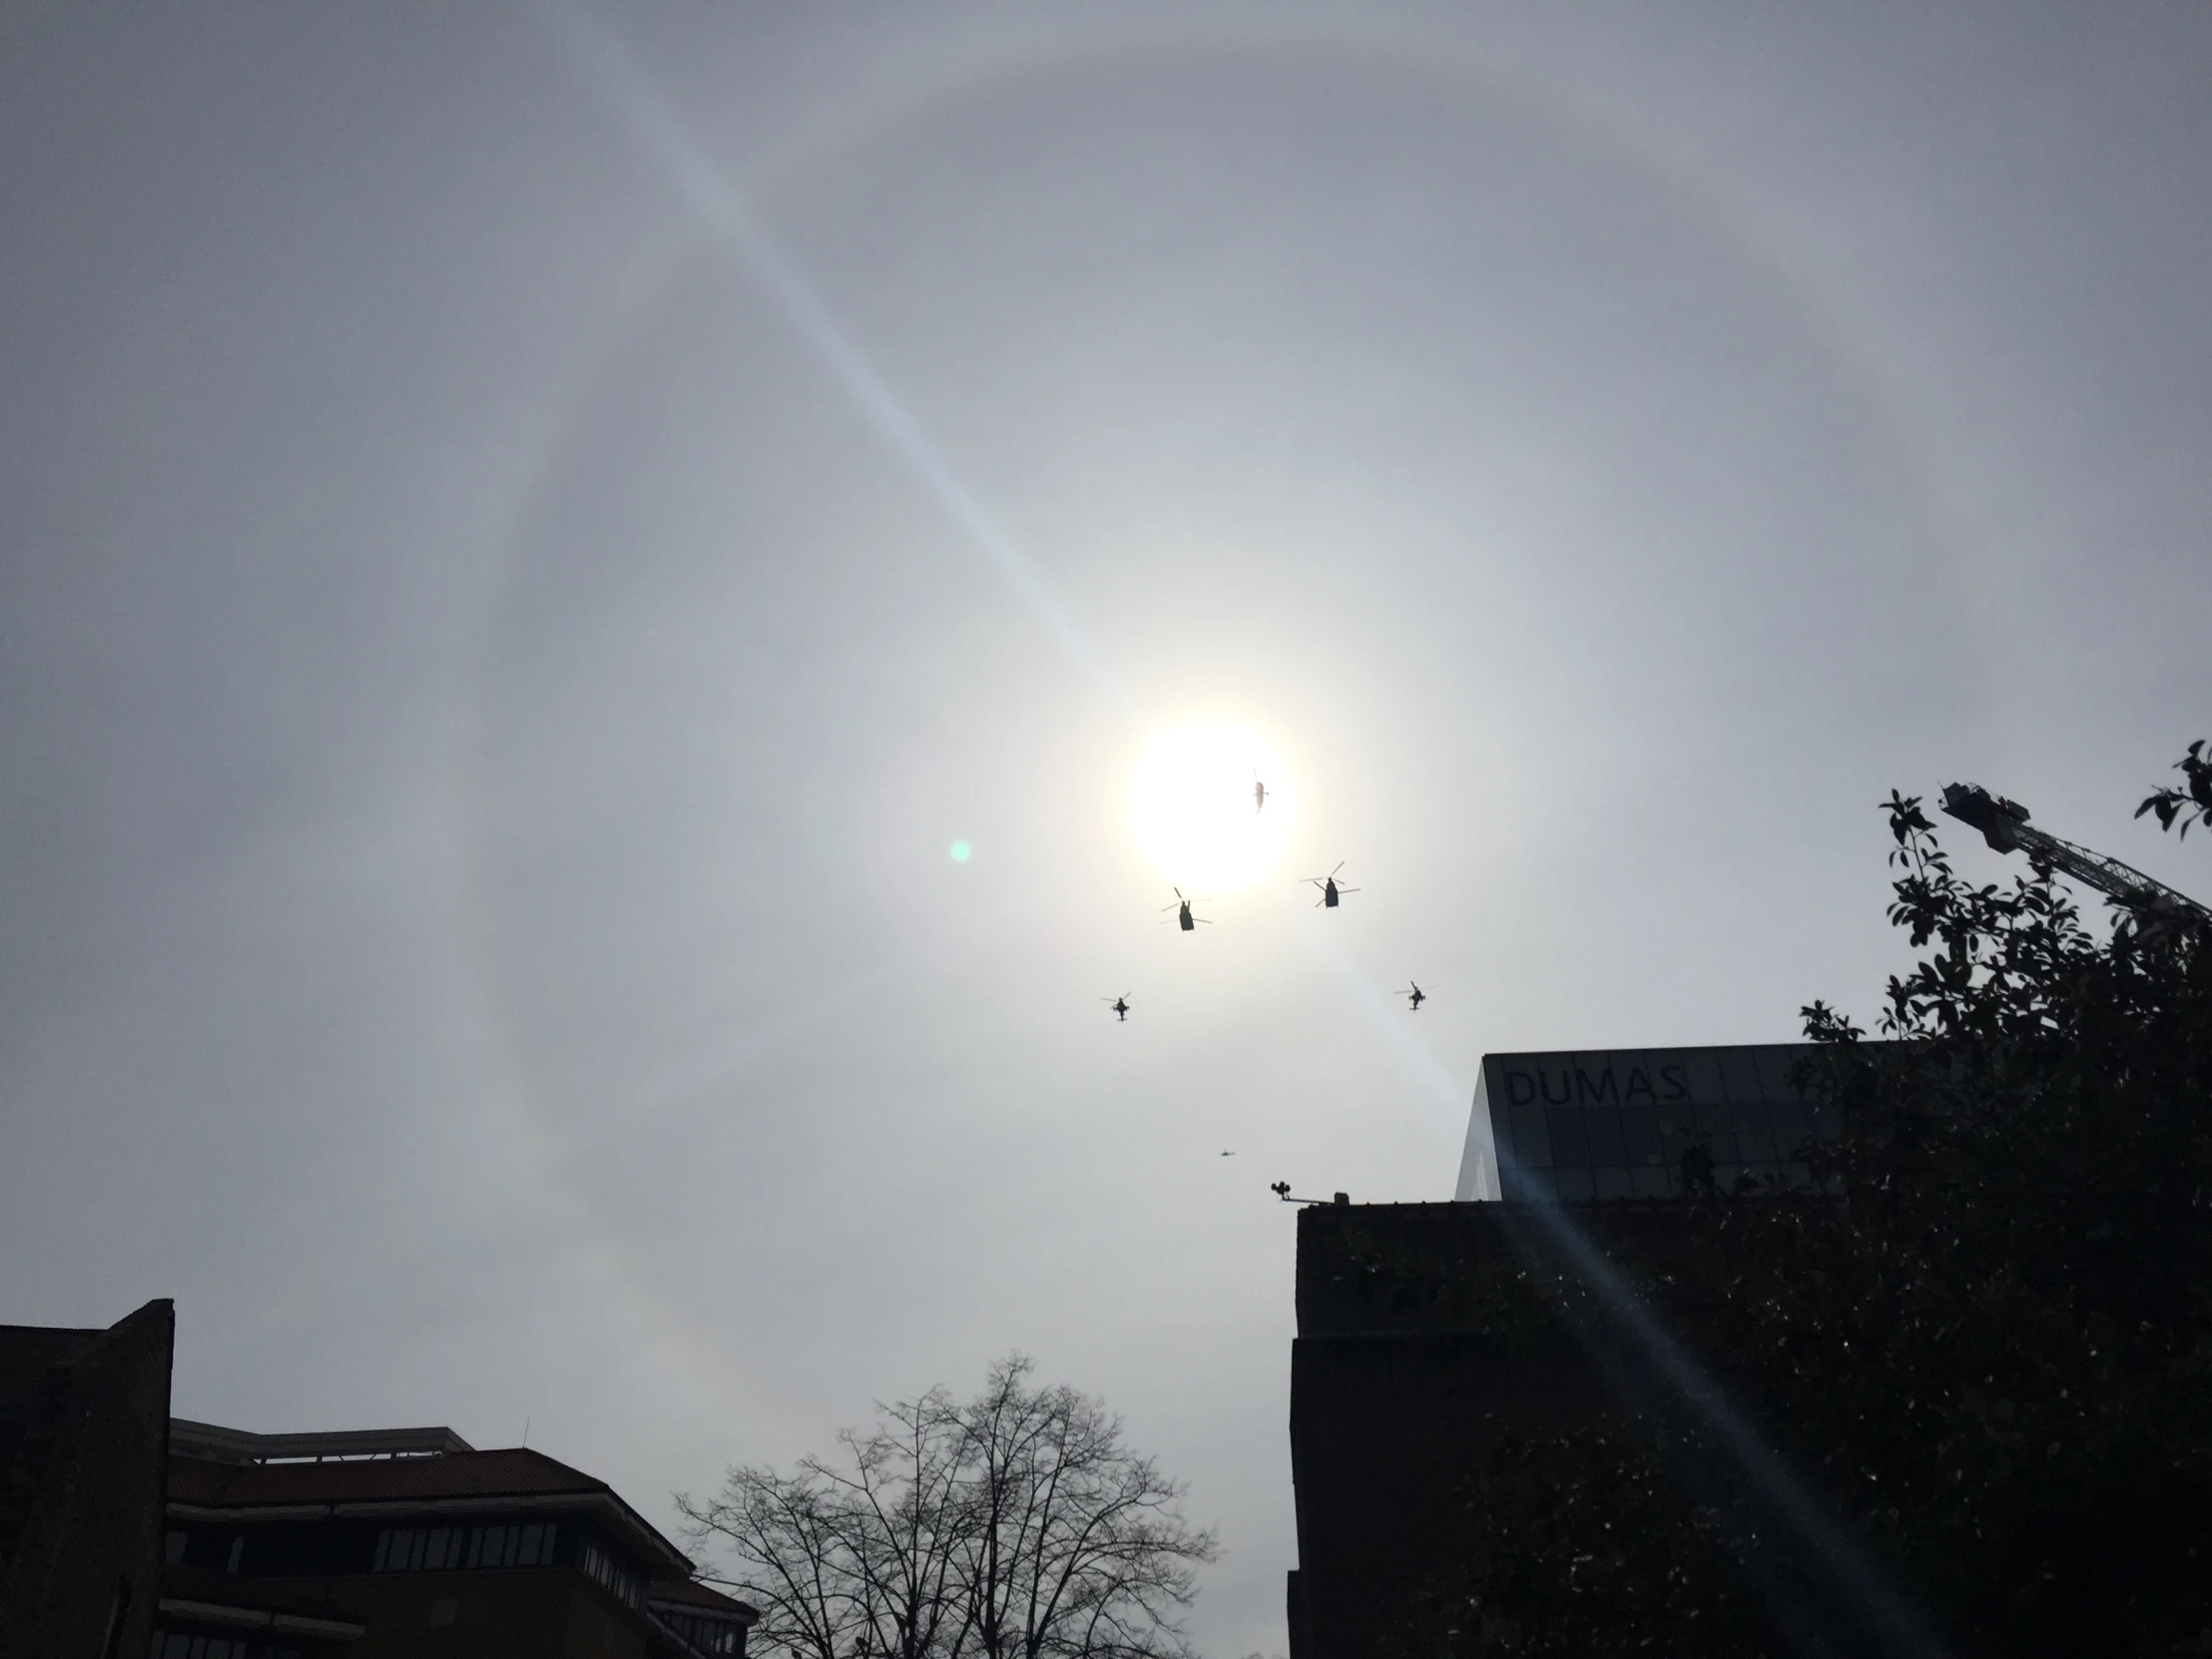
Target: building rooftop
(690,1593)
(217,1445)
(460,1481)
(516,1471)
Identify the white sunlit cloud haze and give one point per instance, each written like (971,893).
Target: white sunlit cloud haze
(619,622)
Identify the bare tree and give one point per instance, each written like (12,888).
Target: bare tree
(856,1557)
(1018,1527)
(1074,1547)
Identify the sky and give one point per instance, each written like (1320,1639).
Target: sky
(529,532)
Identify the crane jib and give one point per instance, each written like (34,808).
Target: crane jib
(2004,825)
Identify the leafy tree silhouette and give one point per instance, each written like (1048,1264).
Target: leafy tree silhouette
(1982,1332)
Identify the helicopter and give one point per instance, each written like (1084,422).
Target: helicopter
(1417,994)
(1119,1004)
(1330,894)
(1183,918)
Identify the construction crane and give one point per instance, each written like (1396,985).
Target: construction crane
(2004,825)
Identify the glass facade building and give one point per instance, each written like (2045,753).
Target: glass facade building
(1582,1126)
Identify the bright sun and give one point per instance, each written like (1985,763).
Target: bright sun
(1193,812)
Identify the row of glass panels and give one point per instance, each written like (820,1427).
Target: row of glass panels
(1646,1123)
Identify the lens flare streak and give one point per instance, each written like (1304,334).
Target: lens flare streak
(723,214)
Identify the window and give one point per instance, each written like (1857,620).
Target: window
(442,1548)
(171,1644)
(514,1544)
(420,1548)
(626,1586)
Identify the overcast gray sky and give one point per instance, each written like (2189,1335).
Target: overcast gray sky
(528,534)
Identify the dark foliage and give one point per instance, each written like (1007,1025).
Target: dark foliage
(1582,1544)
(1983,1342)
(2192,802)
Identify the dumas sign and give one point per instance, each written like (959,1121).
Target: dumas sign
(1634,1123)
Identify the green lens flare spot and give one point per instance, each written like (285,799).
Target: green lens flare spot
(960,851)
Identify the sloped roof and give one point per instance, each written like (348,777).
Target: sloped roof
(516,1471)
(690,1593)
(466,1482)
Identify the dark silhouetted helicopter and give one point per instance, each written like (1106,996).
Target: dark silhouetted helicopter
(1182,909)
(1120,1005)
(1330,894)
(1417,994)
(1258,793)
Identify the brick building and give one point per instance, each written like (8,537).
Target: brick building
(125,1533)
(429,1547)
(84,1419)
